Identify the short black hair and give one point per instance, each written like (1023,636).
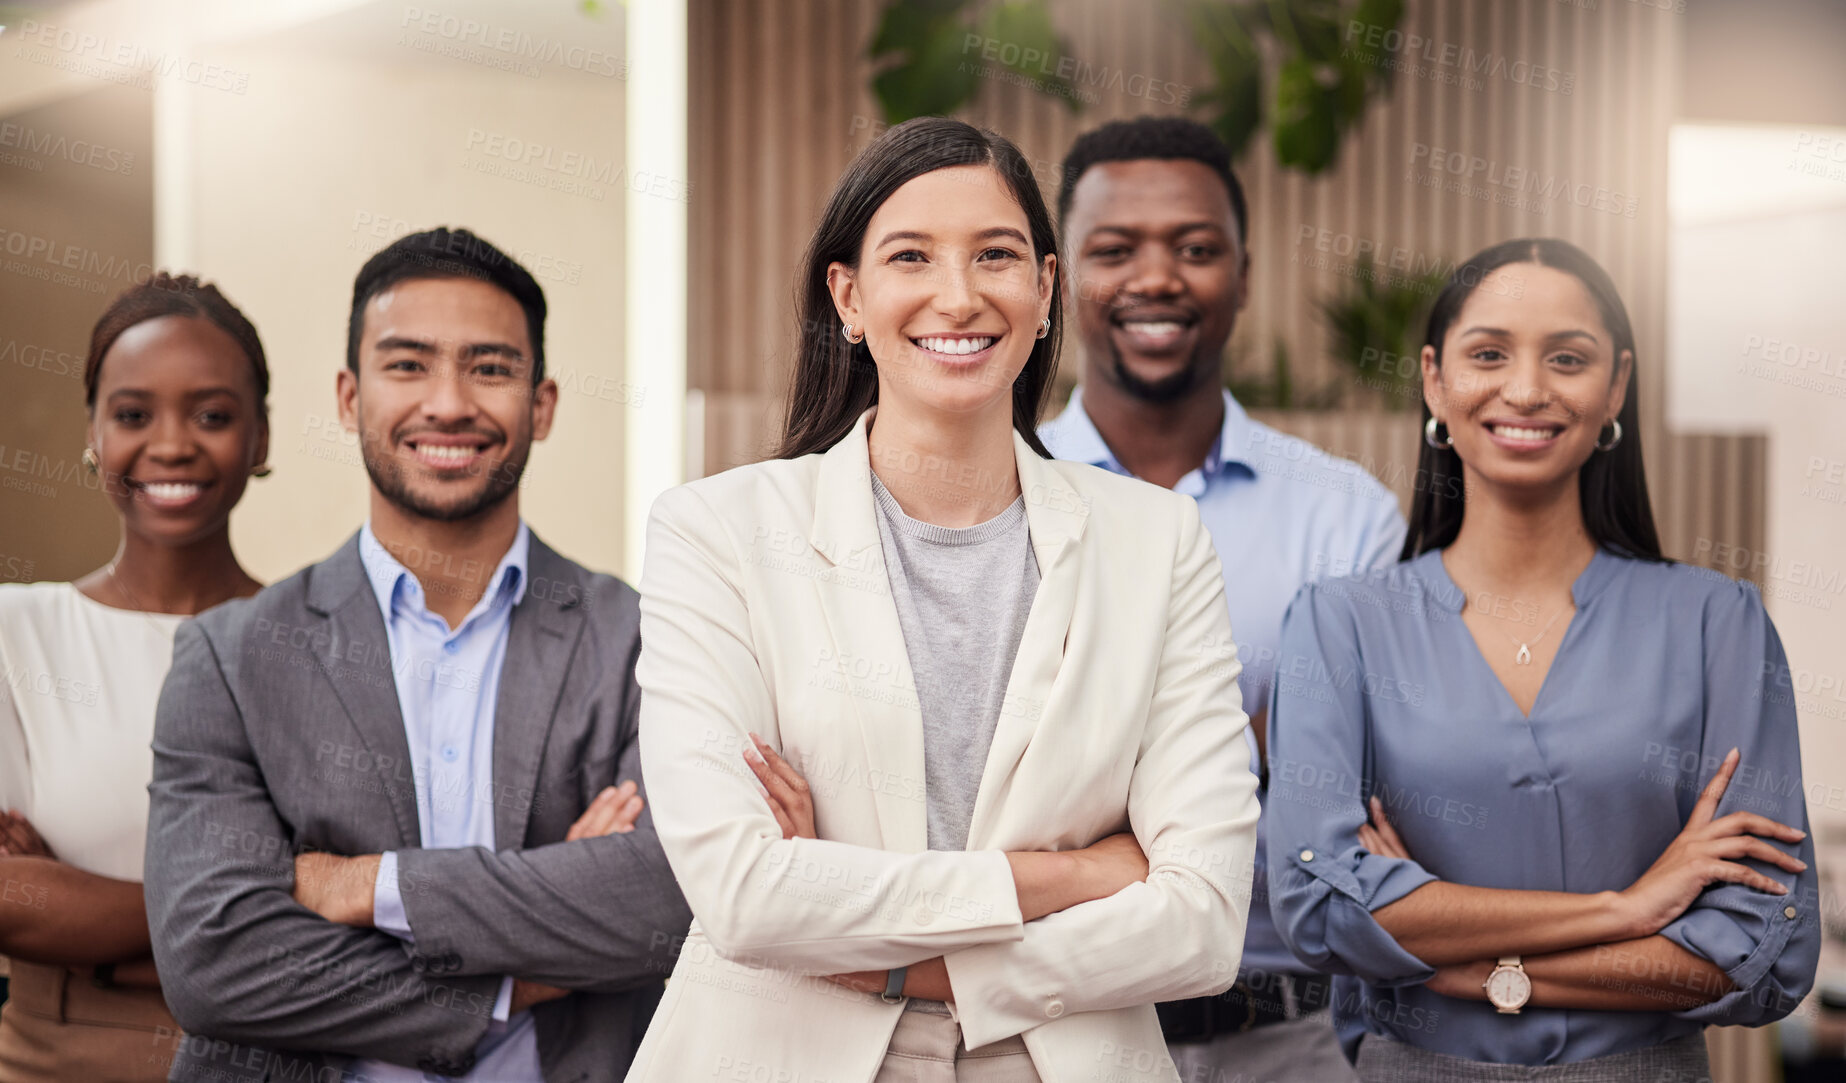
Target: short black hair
(1151,137)
(447,253)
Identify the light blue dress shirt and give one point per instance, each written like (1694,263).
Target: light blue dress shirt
(1662,670)
(448,683)
(1281,512)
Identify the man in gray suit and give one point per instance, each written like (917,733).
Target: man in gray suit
(397,824)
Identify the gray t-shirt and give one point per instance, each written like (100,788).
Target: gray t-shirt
(962,597)
(962,594)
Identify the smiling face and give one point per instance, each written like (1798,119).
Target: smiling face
(1159,274)
(948,292)
(443,401)
(177,427)
(1529,378)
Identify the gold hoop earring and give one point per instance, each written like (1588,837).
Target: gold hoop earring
(90,461)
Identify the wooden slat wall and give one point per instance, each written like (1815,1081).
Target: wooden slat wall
(780,104)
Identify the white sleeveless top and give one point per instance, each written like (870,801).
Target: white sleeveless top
(79,682)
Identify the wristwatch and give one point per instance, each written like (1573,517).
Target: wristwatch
(894,985)
(1507,986)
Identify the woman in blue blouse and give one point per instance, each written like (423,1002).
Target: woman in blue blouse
(1535,792)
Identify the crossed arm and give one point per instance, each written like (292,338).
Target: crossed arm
(1598,951)
(243,959)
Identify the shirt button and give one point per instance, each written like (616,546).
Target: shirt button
(1789,912)
(449,753)
(925,916)
(452,646)
(1307,855)
(1054,1008)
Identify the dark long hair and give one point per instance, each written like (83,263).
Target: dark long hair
(1612,485)
(835,381)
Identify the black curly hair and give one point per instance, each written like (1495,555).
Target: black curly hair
(1151,137)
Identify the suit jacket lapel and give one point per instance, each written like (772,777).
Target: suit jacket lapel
(862,618)
(356,659)
(1056,515)
(866,631)
(540,641)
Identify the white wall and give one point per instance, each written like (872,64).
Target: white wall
(1757,342)
(350,135)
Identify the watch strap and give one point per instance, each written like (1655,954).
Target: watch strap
(894,984)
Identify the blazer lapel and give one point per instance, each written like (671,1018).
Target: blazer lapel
(356,660)
(1056,515)
(540,641)
(862,618)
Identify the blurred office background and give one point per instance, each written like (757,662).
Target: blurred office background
(659,164)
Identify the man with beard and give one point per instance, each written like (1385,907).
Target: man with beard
(397,823)
(1153,226)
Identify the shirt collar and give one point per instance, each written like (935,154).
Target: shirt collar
(1073,435)
(1602,568)
(392,583)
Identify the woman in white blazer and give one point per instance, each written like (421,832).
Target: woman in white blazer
(1105,802)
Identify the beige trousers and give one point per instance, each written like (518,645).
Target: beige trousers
(927,1048)
(58,1028)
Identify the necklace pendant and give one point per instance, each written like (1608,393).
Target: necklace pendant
(1524,657)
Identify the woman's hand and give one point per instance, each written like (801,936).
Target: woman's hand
(613,812)
(1463,981)
(1379,837)
(927,980)
(18,838)
(1706,852)
(785,790)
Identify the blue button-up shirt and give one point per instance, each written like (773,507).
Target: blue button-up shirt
(448,682)
(1663,669)
(1280,512)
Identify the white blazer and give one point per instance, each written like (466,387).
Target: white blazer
(765,607)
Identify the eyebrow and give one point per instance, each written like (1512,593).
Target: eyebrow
(1557,336)
(196,393)
(470,351)
(1136,231)
(983,235)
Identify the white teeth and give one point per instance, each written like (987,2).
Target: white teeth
(171,490)
(955,345)
(1512,433)
(452,453)
(1161,327)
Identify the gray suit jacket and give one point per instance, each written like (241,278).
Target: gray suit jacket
(279,731)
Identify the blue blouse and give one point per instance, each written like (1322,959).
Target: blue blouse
(1381,689)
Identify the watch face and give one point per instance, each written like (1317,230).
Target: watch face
(1508,988)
